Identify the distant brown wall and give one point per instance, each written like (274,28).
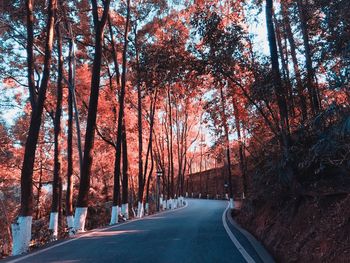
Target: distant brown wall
(212,182)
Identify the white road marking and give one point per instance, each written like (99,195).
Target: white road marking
(91,234)
(240,248)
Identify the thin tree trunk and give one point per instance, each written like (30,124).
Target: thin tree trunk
(125,181)
(279,90)
(57,131)
(117,160)
(149,179)
(227,145)
(71,84)
(168,155)
(171,145)
(71,100)
(69,192)
(149,148)
(240,145)
(30,54)
(311,84)
(40,186)
(139,131)
(288,30)
(280,93)
(285,69)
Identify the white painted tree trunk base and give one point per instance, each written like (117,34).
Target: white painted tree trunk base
(21,235)
(114,215)
(70,225)
(232,204)
(125,211)
(181,199)
(160,203)
(169,203)
(164,205)
(226,196)
(200,195)
(140,210)
(79,219)
(53,225)
(147,209)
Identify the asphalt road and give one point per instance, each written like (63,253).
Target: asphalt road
(191,234)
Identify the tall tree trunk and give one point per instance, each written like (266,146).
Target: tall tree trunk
(124,147)
(30,54)
(279,90)
(139,132)
(227,145)
(280,93)
(116,186)
(40,186)
(57,131)
(311,84)
(84,187)
(149,179)
(168,154)
(171,145)
(240,146)
(285,69)
(300,89)
(71,82)
(150,148)
(69,192)
(22,231)
(125,181)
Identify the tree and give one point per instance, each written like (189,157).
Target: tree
(280,93)
(82,202)
(22,230)
(57,181)
(314,100)
(117,160)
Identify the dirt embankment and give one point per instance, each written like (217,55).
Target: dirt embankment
(313,227)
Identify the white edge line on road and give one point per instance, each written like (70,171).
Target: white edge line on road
(240,248)
(92,232)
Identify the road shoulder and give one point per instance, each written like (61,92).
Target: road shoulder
(251,245)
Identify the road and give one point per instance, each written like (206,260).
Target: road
(191,234)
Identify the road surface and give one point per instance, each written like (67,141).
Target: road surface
(191,234)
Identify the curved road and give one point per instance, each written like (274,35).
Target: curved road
(191,234)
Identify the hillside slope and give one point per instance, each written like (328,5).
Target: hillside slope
(310,223)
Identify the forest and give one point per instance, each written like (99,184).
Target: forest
(107,108)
